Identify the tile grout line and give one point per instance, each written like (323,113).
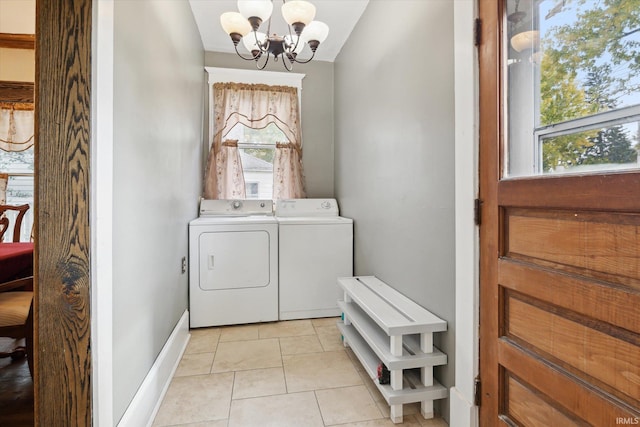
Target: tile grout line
(233,383)
(319,409)
(261,336)
(284,372)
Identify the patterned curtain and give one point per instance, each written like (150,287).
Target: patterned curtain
(229,173)
(16,126)
(254,106)
(288,178)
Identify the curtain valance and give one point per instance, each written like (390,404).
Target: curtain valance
(255,106)
(16,126)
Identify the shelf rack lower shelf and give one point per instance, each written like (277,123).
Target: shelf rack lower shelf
(378,340)
(413,390)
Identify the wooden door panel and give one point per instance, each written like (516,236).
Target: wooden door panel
(566,393)
(568,286)
(526,406)
(613,305)
(573,342)
(602,245)
(617,192)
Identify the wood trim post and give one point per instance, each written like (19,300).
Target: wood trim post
(62,302)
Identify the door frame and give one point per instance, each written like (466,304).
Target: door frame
(99,315)
(490,155)
(102,212)
(62,255)
(463,411)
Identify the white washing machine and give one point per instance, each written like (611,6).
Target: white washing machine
(316,247)
(233,263)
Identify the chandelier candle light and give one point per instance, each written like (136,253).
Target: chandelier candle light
(298,14)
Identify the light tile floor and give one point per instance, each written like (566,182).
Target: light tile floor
(294,373)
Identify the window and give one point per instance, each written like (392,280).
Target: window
(573,90)
(280,104)
(257,151)
(253,190)
(19,166)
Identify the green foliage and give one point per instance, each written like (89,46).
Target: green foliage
(604,29)
(561,99)
(611,145)
(602,41)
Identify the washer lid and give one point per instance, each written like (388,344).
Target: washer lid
(307,208)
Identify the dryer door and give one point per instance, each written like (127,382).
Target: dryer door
(234,259)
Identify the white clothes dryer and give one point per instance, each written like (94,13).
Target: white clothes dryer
(316,247)
(233,263)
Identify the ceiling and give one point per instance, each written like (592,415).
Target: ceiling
(340,15)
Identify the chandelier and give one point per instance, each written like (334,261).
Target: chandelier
(298,15)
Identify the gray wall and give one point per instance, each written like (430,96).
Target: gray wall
(317,116)
(158,113)
(394,153)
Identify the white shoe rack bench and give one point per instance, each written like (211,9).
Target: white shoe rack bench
(383,326)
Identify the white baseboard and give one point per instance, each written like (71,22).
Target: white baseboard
(145,404)
(462,413)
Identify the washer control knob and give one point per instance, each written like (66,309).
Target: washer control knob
(237,204)
(262,204)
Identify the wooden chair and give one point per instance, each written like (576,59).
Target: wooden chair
(16,317)
(17,225)
(16,296)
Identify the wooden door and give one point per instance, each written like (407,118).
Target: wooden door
(559,280)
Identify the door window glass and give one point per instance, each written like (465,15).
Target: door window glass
(573,86)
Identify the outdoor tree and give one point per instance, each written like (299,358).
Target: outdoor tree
(590,65)
(561,99)
(605,38)
(610,145)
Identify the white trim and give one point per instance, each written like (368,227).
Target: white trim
(101,213)
(145,404)
(462,412)
(594,121)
